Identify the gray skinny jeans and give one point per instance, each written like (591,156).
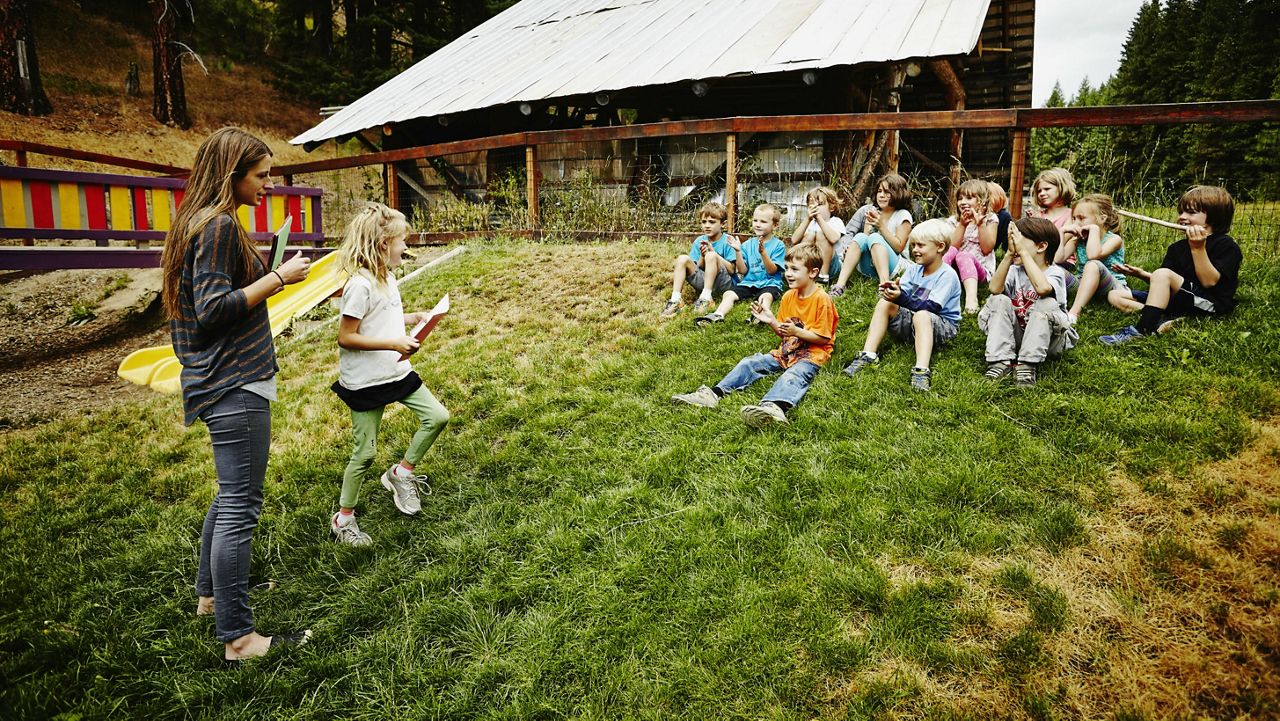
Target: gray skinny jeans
(240,427)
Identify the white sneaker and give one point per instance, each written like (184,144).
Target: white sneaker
(404,488)
(349,532)
(703,397)
(765,414)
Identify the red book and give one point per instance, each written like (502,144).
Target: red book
(424,328)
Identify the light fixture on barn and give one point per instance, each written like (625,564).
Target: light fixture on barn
(443,120)
(700,88)
(526,109)
(809,77)
(913,69)
(602,99)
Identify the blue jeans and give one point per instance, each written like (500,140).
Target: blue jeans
(240,427)
(790,386)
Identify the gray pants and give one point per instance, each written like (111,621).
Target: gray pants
(1048,333)
(240,427)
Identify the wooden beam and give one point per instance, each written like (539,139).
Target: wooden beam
(531,185)
(1018,169)
(731,177)
(22,147)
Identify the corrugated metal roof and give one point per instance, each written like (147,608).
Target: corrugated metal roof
(543,49)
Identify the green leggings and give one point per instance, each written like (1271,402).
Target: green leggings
(432,418)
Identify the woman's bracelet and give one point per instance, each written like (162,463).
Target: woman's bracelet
(281,277)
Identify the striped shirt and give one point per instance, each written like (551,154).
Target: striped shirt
(221,342)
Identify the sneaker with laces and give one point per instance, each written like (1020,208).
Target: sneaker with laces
(671,308)
(708,319)
(1122,336)
(836,291)
(998,369)
(921,378)
(348,533)
(701,304)
(824,279)
(704,397)
(860,361)
(1025,375)
(763,415)
(404,488)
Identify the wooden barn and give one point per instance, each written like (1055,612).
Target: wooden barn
(560,64)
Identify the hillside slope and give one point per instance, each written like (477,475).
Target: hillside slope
(83,62)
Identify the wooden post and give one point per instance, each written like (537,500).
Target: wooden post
(897,76)
(731,177)
(22,158)
(288,180)
(531,184)
(946,73)
(392,185)
(1018,170)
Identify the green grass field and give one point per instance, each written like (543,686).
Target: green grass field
(1103,546)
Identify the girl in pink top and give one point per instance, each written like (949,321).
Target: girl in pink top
(972,250)
(1053,192)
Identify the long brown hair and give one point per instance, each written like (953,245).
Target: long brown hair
(222,159)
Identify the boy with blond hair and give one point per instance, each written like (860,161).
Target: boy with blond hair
(762,277)
(1025,318)
(1200,272)
(806,322)
(922,308)
(714,262)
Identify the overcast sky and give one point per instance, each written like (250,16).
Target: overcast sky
(1076,39)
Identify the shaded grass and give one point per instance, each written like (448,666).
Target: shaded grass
(592,551)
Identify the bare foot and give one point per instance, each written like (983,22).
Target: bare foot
(250,645)
(204,606)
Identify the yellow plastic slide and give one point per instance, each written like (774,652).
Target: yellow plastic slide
(159,368)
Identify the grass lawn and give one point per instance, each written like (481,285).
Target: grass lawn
(1103,546)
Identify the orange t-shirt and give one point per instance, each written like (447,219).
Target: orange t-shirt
(817,313)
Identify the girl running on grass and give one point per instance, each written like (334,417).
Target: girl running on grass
(373,368)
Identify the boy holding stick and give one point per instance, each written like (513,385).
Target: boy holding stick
(1199,274)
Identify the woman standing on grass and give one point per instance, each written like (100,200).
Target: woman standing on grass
(215,288)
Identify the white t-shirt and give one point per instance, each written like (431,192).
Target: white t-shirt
(1022,293)
(381,316)
(811,233)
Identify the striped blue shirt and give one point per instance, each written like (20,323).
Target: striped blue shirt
(221,342)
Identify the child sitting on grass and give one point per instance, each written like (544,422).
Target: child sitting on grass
(713,264)
(922,308)
(876,236)
(1025,317)
(820,228)
(1200,272)
(806,322)
(762,279)
(1091,245)
(1053,191)
(371,374)
(973,241)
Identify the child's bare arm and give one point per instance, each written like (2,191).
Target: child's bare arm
(986,233)
(1132,271)
(1206,272)
(350,337)
(998,278)
(1096,249)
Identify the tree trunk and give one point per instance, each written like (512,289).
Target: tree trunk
(322,18)
(20,88)
(170,104)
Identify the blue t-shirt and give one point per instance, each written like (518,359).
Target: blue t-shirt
(756,277)
(1082,258)
(943,288)
(721,247)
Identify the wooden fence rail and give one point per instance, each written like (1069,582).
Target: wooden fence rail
(1018,121)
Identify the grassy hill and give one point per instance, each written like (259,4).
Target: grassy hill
(1103,546)
(83,61)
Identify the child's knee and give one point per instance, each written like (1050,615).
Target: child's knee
(1164,276)
(999,302)
(922,320)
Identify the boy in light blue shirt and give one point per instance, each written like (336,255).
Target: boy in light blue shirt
(922,308)
(714,262)
(764,256)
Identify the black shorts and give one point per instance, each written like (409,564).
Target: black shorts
(1188,302)
(747,292)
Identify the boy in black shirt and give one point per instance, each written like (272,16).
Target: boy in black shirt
(1199,274)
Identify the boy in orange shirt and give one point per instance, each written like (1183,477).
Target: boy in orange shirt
(808,330)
